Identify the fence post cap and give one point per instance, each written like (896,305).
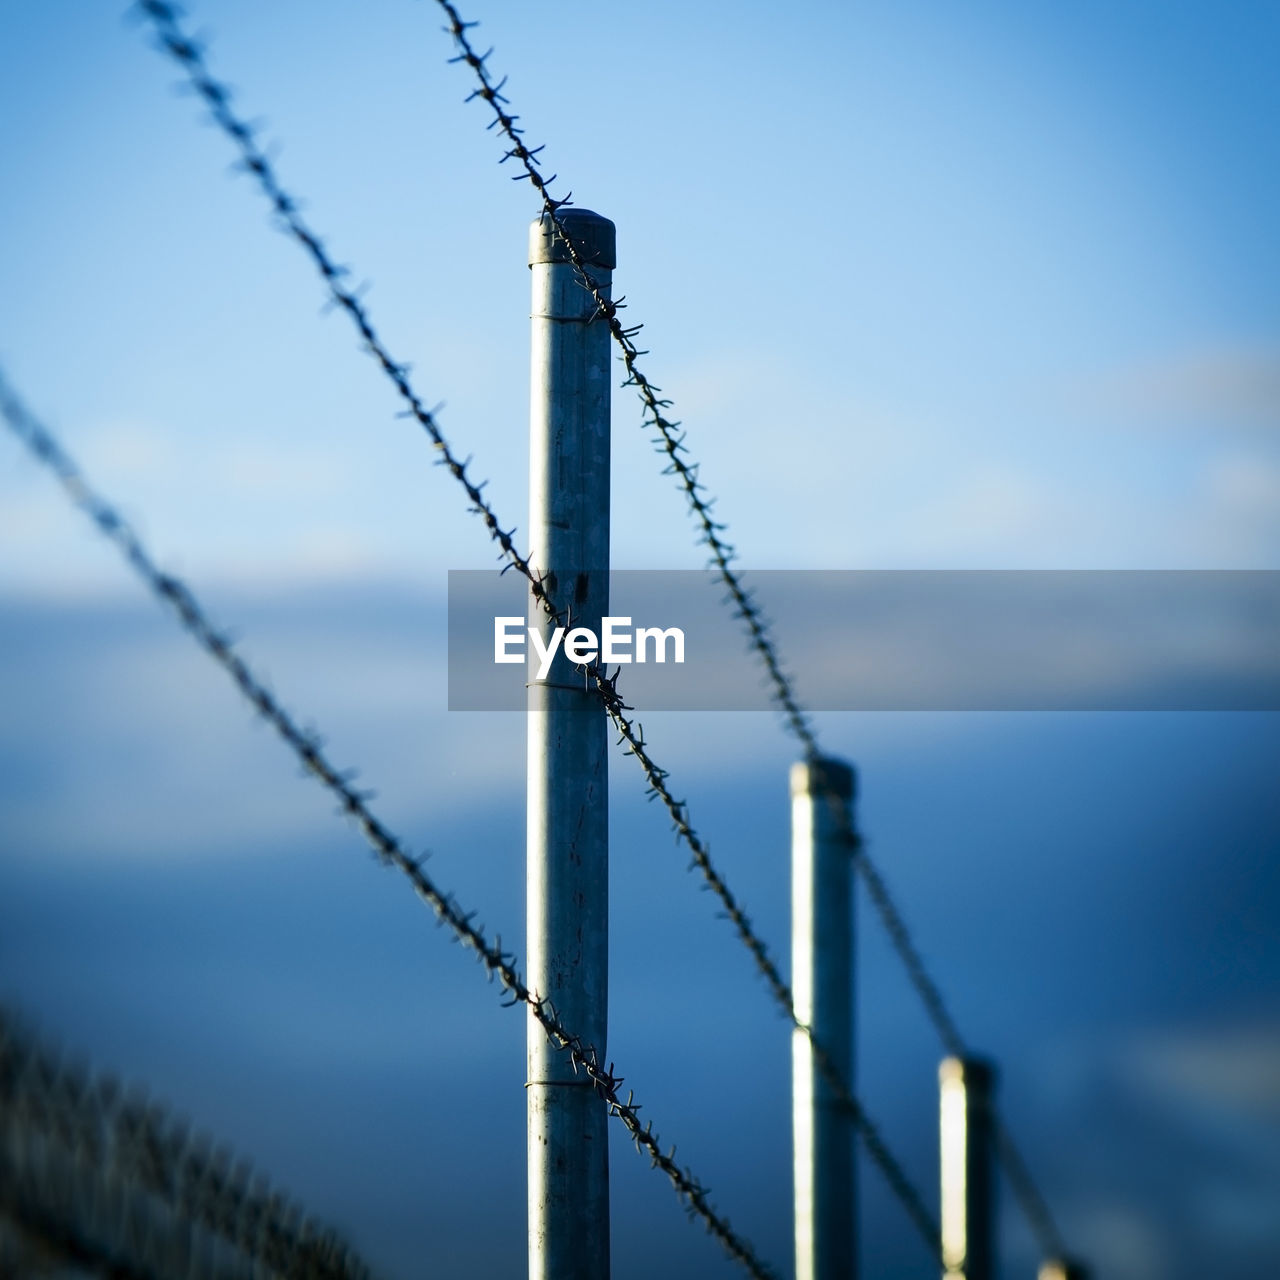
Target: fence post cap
(977,1074)
(593,235)
(824,776)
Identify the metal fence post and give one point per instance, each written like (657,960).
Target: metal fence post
(967,1132)
(568,824)
(1062,1269)
(822,988)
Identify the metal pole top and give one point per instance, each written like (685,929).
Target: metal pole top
(823,777)
(593,235)
(1062,1269)
(976,1074)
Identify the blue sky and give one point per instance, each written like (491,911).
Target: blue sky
(931,286)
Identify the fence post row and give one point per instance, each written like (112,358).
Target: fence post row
(968,1151)
(822,989)
(568,821)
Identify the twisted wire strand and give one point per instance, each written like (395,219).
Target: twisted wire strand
(254,160)
(877,1148)
(670,441)
(355,804)
(51,1237)
(1028,1192)
(85,1164)
(189,54)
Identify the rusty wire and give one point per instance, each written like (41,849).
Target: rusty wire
(189,54)
(390,850)
(109,1181)
(670,442)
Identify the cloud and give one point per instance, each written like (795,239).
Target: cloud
(1220,1089)
(1219,387)
(1129,1241)
(1247,485)
(227,507)
(111,703)
(1236,1072)
(994,505)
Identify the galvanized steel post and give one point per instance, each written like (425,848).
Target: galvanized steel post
(822,988)
(568,823)
(967,1148)
(1062,1269)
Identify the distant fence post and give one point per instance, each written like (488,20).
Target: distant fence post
(1063,1269)
(568,821)
(967,1133)
(822,988)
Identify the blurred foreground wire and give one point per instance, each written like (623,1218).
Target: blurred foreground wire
(390,850)
(104,1180)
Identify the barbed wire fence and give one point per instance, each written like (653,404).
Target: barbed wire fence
(254,160)
(307,746)
(724,556)
(116,1184)
(256,163)
(671,442)
(354,803)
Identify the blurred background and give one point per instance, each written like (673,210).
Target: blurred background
(940,287)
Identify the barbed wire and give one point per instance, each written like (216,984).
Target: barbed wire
(878,1149)
(254,160)
(900,937)
(110,1181)
(1027,1192)
(670,441)
(44,1242)
(306,745)
(189,54)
